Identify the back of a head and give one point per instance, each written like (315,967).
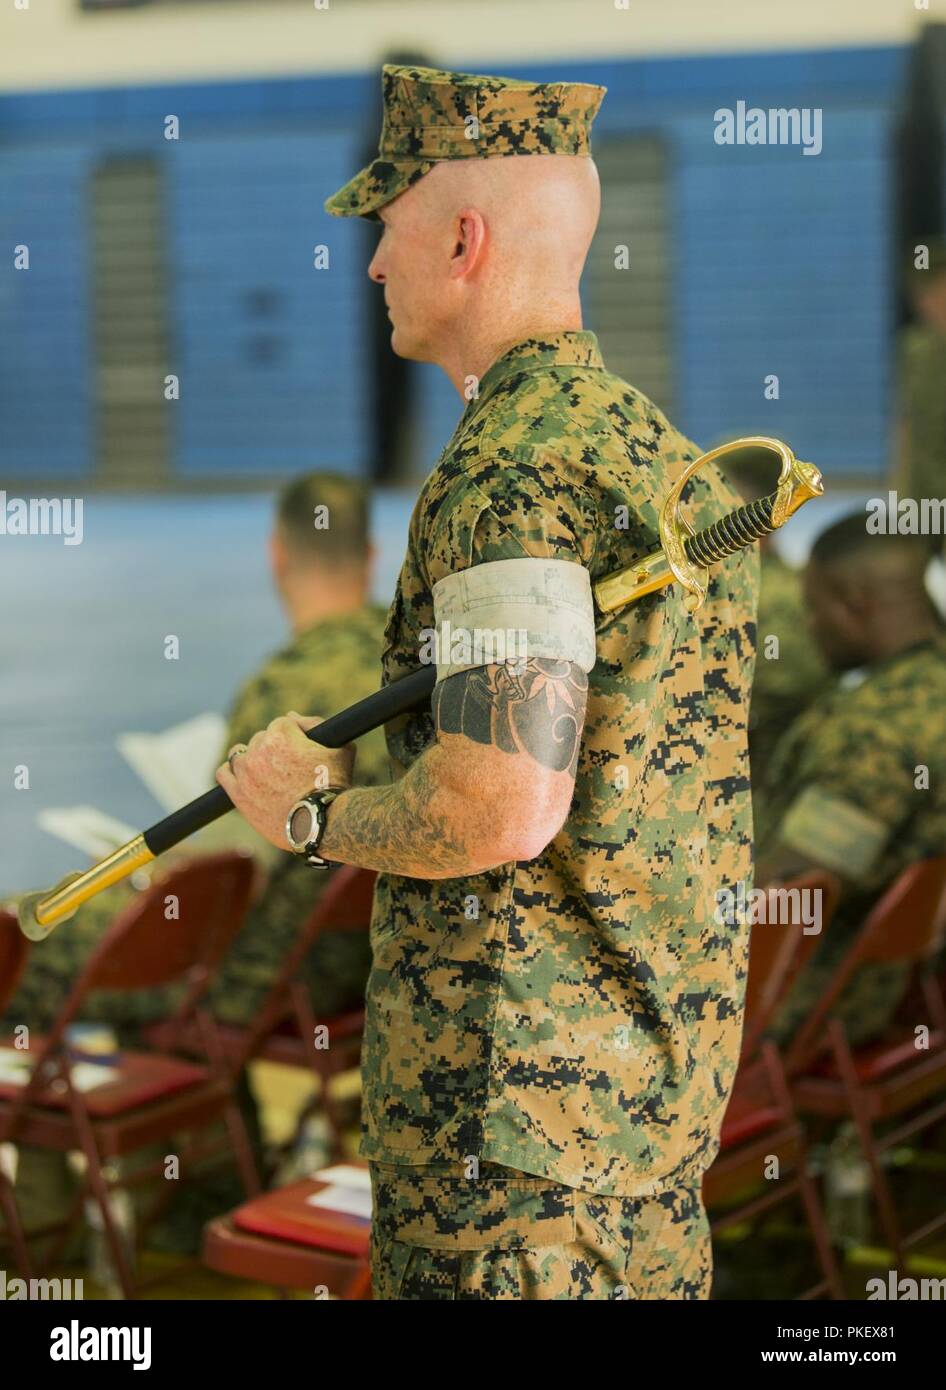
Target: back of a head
(323,520)
(884,562)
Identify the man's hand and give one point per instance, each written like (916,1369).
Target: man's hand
(279,766)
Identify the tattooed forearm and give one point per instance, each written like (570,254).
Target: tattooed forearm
(414,827)
(535,707)
(468,804)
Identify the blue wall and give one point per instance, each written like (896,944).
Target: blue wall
(781,262)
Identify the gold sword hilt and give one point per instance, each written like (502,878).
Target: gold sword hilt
(685,555)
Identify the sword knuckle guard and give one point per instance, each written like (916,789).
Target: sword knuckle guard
(686,556)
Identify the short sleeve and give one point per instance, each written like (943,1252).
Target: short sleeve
(506,560)
(505,510)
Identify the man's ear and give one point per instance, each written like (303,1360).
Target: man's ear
(469,245)
(278,557)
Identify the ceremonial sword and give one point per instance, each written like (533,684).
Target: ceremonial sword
(683,556)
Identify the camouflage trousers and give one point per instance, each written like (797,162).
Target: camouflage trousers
(509,1235)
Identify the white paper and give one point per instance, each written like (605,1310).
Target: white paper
(86,1076)
(177,765)
(16,1069)
(86,828)
(345,1175)
(350,1200)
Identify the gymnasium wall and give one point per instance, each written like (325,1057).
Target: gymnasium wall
(776,263)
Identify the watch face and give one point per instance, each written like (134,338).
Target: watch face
(302,825)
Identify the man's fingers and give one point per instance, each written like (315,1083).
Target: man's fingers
(305,722)
(226,779)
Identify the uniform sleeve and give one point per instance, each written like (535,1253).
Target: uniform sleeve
(503,510)
(863,794)
(507,560)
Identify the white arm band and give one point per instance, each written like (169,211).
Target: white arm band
(510,609)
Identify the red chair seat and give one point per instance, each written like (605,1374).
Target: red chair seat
(285,1215)
(137,1079)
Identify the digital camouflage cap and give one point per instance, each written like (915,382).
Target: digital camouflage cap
(430,115)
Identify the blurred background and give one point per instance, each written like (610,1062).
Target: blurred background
(194,256)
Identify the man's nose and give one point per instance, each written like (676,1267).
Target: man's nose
(375,272)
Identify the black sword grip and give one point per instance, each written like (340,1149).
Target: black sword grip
(732,532)
(388,702)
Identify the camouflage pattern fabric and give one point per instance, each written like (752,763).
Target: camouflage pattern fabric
(505,1235)
(785,683)
(923,411)
(576,1017)
(430,115)
(861,747)
(322,670)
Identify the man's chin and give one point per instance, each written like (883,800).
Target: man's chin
(403,346)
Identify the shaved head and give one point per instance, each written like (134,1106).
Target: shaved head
(541,210)
(482,253)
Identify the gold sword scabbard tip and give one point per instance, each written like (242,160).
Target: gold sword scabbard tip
(34,923)
(38,913)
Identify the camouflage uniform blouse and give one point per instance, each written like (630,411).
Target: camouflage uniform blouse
(577,1016)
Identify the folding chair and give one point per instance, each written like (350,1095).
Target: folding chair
(760,1120)
(13,952)
(284,1030)
(880,1081)
(145,1097)
(778,953)
(281,1239)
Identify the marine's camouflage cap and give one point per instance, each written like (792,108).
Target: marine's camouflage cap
(430,115)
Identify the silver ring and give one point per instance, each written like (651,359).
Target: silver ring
(236,751)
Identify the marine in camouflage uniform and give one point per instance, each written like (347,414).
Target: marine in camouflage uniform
(790,671)
(921,466)
(857,785)
(787,678)
(328,665)
(550,1045)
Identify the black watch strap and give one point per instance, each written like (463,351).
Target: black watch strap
(321,799)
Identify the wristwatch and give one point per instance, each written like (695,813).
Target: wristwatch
(305,825)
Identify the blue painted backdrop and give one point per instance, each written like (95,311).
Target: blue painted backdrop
(781,262)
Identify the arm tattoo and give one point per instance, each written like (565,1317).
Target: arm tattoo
(535,706)
(396,829)
(408,828)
